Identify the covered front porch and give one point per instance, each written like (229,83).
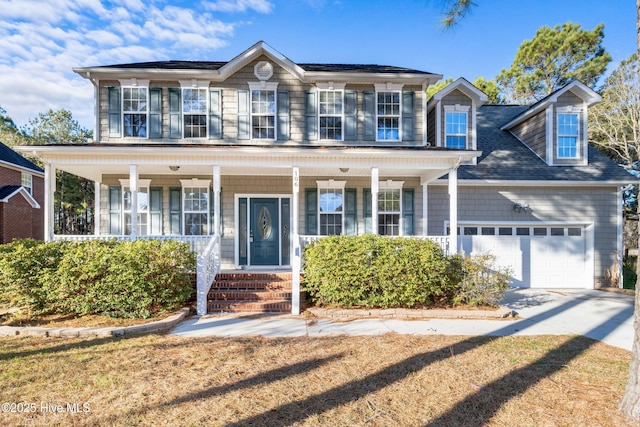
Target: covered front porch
(254,207)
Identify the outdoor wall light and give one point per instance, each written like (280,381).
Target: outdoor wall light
(521,207)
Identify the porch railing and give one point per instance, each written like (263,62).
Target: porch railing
(208,268)
(198,243)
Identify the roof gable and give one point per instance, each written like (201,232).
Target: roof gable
(8,191)
(464,86)
(584,92)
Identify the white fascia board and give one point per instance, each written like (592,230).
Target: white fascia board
(24,193)
(19,168)
(255,51)
(500,183)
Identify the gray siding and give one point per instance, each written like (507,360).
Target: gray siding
(459,98)
(286,82)
(255,185)
(533,133)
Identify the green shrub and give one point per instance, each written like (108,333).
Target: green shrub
(24,266)
(118,279)
(377,271)
(481,281)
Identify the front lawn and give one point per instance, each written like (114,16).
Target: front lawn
(390,380)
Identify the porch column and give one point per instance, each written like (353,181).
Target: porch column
(96,209)
(374,200)
(133,188)
(296,260)
(49,192)
(453,210)
(425,209)
(216,200)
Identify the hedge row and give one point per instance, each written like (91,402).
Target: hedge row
(130,279)
(380,272)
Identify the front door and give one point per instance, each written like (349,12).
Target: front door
(264,236)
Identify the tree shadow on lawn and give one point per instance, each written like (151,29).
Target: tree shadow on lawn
(59,347)
(482,405)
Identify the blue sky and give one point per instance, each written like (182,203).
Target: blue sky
(40,42)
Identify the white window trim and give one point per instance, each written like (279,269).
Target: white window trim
(135,84)
(457,108)
(330,87)
(389,88)
(29,188)
(264,86)
(392,185)
(331,185)
(195,183)
(142,183)
(195,84)
(568,110)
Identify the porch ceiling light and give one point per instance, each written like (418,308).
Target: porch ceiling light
(344,170)
(174,168)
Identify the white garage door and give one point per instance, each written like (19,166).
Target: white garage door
(551,256)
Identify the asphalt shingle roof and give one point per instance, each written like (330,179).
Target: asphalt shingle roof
(215,65)
(9,156)
(8,190)
(505,158)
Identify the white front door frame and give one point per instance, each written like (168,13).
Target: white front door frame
(236,221)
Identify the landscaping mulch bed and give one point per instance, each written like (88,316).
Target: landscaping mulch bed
(388,380)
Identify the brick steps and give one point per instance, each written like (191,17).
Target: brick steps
(248,292)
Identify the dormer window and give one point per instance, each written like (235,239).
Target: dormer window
(135,111)
(568,133)
(456,127)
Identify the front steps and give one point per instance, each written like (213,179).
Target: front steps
(250,292)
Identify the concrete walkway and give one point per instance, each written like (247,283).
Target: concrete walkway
(600,315)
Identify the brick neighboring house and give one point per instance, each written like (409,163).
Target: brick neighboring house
(21,197)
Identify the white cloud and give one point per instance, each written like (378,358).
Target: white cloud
(40,43)
(261,6)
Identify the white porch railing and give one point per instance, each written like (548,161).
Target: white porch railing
(198,243)
(208,268)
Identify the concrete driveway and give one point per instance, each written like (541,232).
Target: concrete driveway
(600,315)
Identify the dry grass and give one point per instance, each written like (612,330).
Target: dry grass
(389,380)
(71,321)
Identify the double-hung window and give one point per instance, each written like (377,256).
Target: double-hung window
(388,113)
(142,206)
(331,110)
(456,127)
(194,112)
(568,133)
(390,208)
(27,182)
(135,111)
(195,207)
(263,110)
(389,212)
(331,207)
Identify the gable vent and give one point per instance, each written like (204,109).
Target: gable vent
(263,70)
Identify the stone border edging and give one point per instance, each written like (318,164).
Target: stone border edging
(108,331)
(407,313)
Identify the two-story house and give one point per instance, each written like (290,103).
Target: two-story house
(256,156)
(21,197)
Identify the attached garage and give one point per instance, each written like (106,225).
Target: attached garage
(540,255)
